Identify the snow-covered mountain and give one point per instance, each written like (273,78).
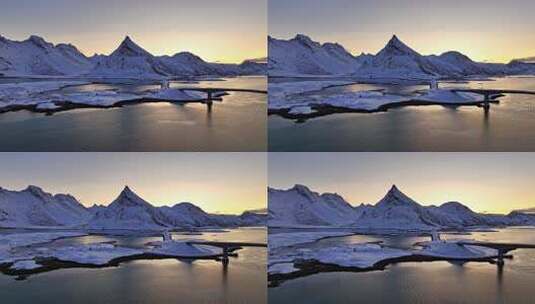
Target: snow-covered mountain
(130,60)
(34,207)
(35,56)
(299,206)
(301,55)
(129,210)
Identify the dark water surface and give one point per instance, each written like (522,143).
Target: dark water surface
(508,126)
(151,281)
(236,124)
(424,282)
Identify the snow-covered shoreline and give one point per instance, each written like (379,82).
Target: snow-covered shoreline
(46,96)
(288,99)
(26,253)
(287,262)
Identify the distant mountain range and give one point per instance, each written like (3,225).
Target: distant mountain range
(33,207)
(37,57)
(299,206)
(303,56)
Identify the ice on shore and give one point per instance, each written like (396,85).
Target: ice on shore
(29,93)
(173,94)
(451,249)
(25,265)
(183,249)
(290,96)
(282,256)
(448,96)
(278,240)
(100,98)
(282,94)
(94,254)
(355,255)
(282,268)
(11,244)
(45,95)
(26,239)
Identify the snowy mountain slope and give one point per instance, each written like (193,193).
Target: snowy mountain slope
(300,206)
(130,60)
(302,55)
(394,210)
(129,211)
(34,207)
(187,215)
(35,56)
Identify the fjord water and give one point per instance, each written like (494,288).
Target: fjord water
(151,281)
(508,126)
(238,123)
(421,282)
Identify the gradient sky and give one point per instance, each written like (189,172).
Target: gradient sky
(216,182)
(485,182)
(485,30)
(225,31)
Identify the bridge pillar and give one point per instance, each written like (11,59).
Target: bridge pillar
(486,101)
(225,258)
(500,260)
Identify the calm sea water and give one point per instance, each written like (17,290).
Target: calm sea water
(424,282)
(508,126)
(236,124)
(151,281)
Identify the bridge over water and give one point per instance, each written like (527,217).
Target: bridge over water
(210,92)
(227,247)
(503,248)
(490,95)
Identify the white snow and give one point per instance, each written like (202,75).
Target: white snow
(301,110)
(100,98)
(45,96)
(174,94)
(31,238)
(452,250)
(448,96)
(283,94)
(36,57)
(277,240)
(35,207)
(301,56)
(363,100)
(25,265)
(355,255)
(301,207)
(11,243)
(32,92)
(282,268)
(94,254)
(182,249)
